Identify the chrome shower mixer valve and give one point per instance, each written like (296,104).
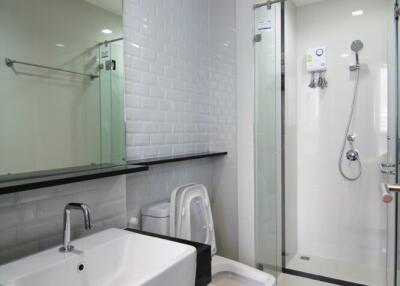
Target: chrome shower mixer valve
(352,155)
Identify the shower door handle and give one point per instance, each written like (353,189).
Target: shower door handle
(392,188)
(387,191)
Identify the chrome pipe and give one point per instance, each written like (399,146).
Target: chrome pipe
(10,63)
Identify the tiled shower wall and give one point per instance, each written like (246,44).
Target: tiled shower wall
(181,98)
(33,221)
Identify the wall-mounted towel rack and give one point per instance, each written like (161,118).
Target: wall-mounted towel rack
(109,41)
(10,63)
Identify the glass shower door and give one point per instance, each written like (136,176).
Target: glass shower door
(267,50)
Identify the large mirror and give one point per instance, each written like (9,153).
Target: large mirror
(61,78)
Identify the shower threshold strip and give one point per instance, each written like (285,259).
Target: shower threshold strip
(320,278)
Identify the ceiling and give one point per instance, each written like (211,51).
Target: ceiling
(113,6)
(305,2)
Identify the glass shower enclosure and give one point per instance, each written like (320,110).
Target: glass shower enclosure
(310,220)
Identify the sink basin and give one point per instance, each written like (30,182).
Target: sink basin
(112,257)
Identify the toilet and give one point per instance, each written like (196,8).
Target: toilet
(190,218)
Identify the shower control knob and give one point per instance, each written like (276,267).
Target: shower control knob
(352,155)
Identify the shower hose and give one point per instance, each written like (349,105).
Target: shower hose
(353,107)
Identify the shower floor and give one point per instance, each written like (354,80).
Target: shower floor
(339,270)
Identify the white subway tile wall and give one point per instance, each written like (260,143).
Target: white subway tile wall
(32,221)
(223,125)
(181,98)
(168,104)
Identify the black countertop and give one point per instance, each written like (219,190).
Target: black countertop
(48,178)
(203,265)
(43,179)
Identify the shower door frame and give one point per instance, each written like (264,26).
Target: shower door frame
(396,4)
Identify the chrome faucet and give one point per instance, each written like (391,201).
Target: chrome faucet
(67,223)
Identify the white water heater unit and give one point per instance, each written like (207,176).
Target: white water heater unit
(316,59)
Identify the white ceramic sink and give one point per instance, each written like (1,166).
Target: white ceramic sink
(113,257)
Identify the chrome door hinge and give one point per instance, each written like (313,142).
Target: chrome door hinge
(386,168)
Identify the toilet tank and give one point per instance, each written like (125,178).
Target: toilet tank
(155,218)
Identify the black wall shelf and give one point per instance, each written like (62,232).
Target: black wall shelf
(43,179)
(49,180)
(175,158)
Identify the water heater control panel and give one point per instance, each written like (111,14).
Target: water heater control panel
(316,59)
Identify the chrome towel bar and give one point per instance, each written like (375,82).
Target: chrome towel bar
(10,63)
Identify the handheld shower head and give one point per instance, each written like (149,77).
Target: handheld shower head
(356,46)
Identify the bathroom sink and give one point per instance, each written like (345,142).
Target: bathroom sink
(112,257)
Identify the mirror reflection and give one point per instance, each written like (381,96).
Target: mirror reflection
(61,78)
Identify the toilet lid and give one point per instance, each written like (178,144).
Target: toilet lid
(194,220)
(174,210)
